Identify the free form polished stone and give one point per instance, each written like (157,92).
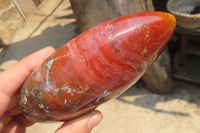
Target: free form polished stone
(99,64)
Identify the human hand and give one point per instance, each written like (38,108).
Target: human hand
(11,118)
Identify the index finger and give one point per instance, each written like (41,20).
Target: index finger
(12,79)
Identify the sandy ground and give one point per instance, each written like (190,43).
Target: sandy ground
(135,111)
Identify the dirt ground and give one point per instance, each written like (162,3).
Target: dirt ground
(135,111)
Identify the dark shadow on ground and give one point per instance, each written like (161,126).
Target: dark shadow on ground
(69,8)
(54,36)
(66,17)
(149,100)
(2,44)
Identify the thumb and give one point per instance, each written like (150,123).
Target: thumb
(83,124)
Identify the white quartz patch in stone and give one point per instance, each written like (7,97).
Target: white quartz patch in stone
(49,64)
(65,101)
(104,94)
(24,99)
(67,88)
(41,106)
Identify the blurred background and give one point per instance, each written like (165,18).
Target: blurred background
(165,100)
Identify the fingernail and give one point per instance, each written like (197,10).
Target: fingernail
(94,120)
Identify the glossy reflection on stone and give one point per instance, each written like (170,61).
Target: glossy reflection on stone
(96,66)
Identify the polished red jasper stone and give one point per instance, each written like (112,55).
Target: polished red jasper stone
(96,66)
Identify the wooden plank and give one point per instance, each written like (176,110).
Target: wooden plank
(190,70)
(193,48)
(27,6)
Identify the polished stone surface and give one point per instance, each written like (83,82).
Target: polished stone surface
(96,66)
